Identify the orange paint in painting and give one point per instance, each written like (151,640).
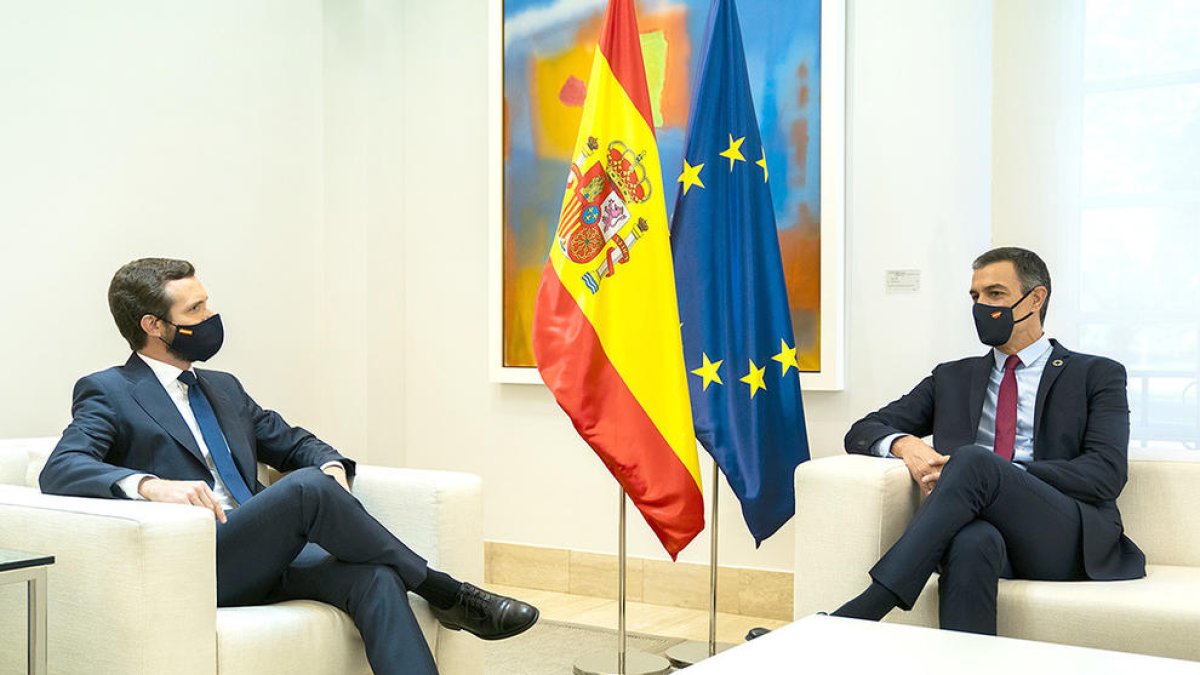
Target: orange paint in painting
(798,134)
(554,91)
(677,92)
(556,125)
(520,288)
(800,248)
(505,134)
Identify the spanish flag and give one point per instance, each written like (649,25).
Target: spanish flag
(606,324)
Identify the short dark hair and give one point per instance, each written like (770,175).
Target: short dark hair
(1031,269)
(138,289)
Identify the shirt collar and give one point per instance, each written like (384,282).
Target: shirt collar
(1029,355)
(165,372)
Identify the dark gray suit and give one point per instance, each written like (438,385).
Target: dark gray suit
(1056,520)
(273,547)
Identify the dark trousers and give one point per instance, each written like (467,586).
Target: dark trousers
(985,519)
(305,537)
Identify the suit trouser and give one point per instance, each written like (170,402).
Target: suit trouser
(306,537)
(985,519)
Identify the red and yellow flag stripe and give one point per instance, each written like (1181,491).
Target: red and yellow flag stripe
(606,325)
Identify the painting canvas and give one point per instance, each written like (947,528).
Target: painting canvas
(547,54)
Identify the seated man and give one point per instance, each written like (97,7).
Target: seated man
(1028,457)
(159,430)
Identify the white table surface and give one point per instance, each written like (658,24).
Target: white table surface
(824,644)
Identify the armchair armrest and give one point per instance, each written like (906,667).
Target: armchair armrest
(132,590)
(437,513)
(849,510)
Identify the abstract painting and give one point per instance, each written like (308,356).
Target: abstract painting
(547,55)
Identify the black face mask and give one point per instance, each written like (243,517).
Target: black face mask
(198,342)
(994,324)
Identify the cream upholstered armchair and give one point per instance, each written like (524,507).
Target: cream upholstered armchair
(133,588)
(851,508)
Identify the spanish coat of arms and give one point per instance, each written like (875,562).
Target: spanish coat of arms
(600,191)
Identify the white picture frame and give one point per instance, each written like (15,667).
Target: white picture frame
(831,376)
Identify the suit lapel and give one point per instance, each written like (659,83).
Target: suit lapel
(980,373)
(1059,356)
(150,395)
(243,455)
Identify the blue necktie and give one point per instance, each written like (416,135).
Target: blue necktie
(215,440)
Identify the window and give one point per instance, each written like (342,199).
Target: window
(1139,208)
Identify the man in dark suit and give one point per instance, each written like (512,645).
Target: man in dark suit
(157,429)
(1028,458)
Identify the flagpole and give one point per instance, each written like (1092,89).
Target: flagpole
(623,661)
(621,589)
(712,563)
(693,652)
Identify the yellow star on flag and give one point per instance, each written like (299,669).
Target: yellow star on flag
(763,163)
(709,372)
(734,151)
(786,357)
(755,378)
(690,176)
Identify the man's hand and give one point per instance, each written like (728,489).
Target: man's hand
(339,474)
(923,462)
(194,492)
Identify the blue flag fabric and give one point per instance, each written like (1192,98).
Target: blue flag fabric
(738,343)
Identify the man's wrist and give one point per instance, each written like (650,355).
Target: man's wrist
(898,446)
(142,483)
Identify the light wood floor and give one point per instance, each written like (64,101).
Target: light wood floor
(690,624)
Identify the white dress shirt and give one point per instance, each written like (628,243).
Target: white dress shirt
(168,377)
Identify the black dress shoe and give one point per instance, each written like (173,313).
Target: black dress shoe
(486,615)
(756,632)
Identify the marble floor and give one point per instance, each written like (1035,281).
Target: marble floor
(690,624)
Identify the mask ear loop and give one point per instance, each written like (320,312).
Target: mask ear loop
(1014,305)
(167,321)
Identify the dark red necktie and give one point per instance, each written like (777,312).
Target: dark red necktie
(1006,409)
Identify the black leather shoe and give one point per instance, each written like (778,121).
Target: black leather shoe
(486,615)
(757,632)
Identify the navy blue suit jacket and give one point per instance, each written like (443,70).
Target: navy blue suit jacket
(1080,438)
(123,422)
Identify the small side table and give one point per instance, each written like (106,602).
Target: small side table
(31,568)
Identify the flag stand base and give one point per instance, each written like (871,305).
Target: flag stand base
(691,653)
(636,663)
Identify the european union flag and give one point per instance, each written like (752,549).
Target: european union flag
(738,343)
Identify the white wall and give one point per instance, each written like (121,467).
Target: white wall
(1036,129)
(919,162)
(169,128)
(360,301)
(324,166)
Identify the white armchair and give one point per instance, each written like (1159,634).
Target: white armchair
(850,509)
(133,588)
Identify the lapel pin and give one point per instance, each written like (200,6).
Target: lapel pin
(1056,362)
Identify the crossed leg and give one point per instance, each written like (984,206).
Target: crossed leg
(985,514)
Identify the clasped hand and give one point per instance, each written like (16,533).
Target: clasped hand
(923,462)
(197,492)
(194,492)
